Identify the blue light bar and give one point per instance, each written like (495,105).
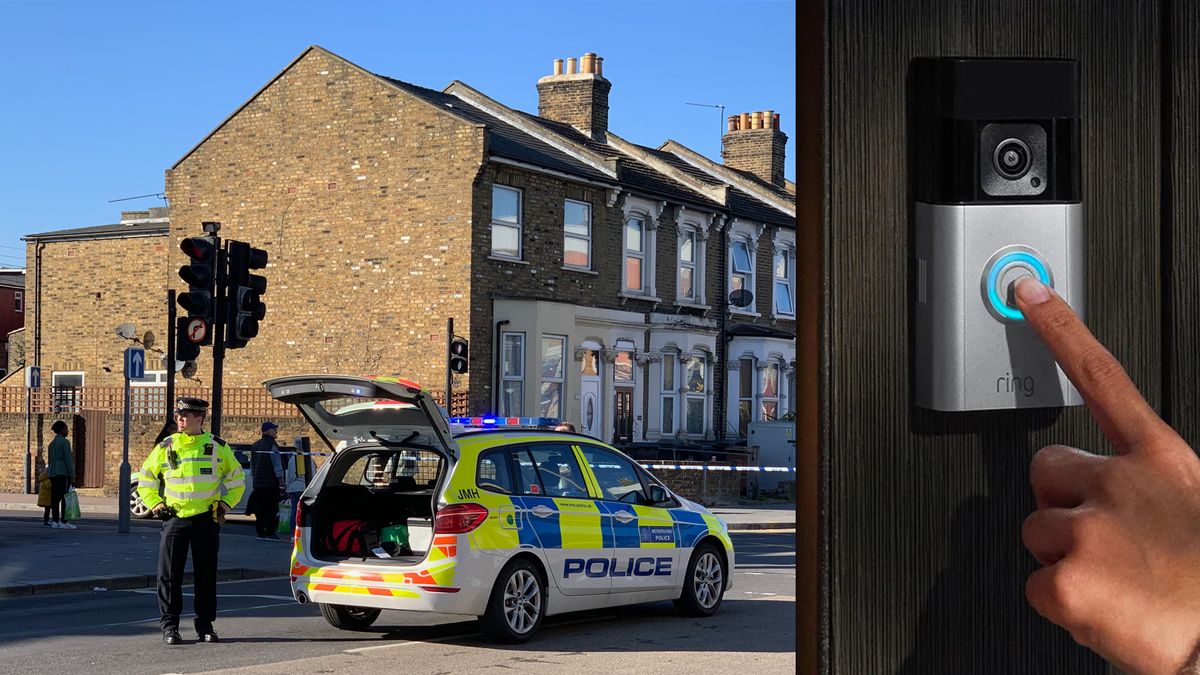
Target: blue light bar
(505,422)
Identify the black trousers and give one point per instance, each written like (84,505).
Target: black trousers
(58,492)
(264,504)
(202,534)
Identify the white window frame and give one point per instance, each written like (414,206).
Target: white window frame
(144,402)
(689,396)
(746,275)
(19,301)
(669,393)
(561,380)
(505,377)
(587,239)
(627,253)
(747,364)
(60,406)
(693,233)
(649,213)
(699,223)
(789,280)
(749,234)
(518,226)
(763,399)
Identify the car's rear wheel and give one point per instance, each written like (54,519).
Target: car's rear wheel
(349,618)
(704,585)
(137,508)
(517,604)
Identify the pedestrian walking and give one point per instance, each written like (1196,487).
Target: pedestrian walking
(295,476)
(269,486)
(201,481)
(565,426)
(60,466)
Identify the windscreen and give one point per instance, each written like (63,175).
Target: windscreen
(392,469)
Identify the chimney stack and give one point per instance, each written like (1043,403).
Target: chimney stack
(754,143)
(578,98)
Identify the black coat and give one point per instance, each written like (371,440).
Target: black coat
(261,466)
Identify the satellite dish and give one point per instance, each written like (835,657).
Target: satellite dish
(148,339)
(126,330)
(741,298)
(189,369)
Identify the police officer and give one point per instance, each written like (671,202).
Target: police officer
(200,480)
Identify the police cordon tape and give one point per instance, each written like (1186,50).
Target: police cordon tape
(721,467)
(677,467)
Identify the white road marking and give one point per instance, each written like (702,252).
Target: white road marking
(185,616)
(153,591)
(444,638)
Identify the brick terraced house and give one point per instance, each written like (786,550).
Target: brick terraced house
(588,272)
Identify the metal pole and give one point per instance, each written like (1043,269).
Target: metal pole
(170,353)
(218,340)
(123,501)
(28,441)
(449,375)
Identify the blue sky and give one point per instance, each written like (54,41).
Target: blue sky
(99,98)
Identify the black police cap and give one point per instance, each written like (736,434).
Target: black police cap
(190,404)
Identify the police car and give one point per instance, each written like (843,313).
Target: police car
(510,525)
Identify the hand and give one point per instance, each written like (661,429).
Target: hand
(158,508)
(1119,537)
(222,509)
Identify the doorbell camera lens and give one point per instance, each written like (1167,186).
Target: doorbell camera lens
(1011,158)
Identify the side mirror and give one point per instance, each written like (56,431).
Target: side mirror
(658,494)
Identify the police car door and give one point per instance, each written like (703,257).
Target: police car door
(644,536)
(570,525)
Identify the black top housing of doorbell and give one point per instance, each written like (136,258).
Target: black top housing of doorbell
(987,130)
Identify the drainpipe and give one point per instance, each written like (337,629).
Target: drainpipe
(498,350)
(721,377)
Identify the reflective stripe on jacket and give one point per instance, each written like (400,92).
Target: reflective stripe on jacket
(193,473)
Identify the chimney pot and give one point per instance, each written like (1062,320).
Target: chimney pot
(558,67)
(748,152)
(571,65)
(600,66)
(588,63)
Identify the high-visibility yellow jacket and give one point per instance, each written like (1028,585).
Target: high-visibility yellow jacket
(194,472)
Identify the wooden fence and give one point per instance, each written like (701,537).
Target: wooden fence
(235,401)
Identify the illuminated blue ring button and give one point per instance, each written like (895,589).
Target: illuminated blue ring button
(998,303)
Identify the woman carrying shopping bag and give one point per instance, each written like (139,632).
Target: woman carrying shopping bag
(60,466)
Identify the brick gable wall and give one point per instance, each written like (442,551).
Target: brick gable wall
(361,194)
(87,289)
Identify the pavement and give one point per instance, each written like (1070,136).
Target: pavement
(96,557)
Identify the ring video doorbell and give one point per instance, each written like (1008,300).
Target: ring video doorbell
(994,164)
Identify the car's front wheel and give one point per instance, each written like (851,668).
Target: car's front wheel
(137,508)
(704,585)
(349,618)
(517,604)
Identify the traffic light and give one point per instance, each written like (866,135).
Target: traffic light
(458,355)
(244,301)
(200,274)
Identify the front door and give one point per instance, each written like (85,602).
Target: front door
(623,416)
(591,414)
